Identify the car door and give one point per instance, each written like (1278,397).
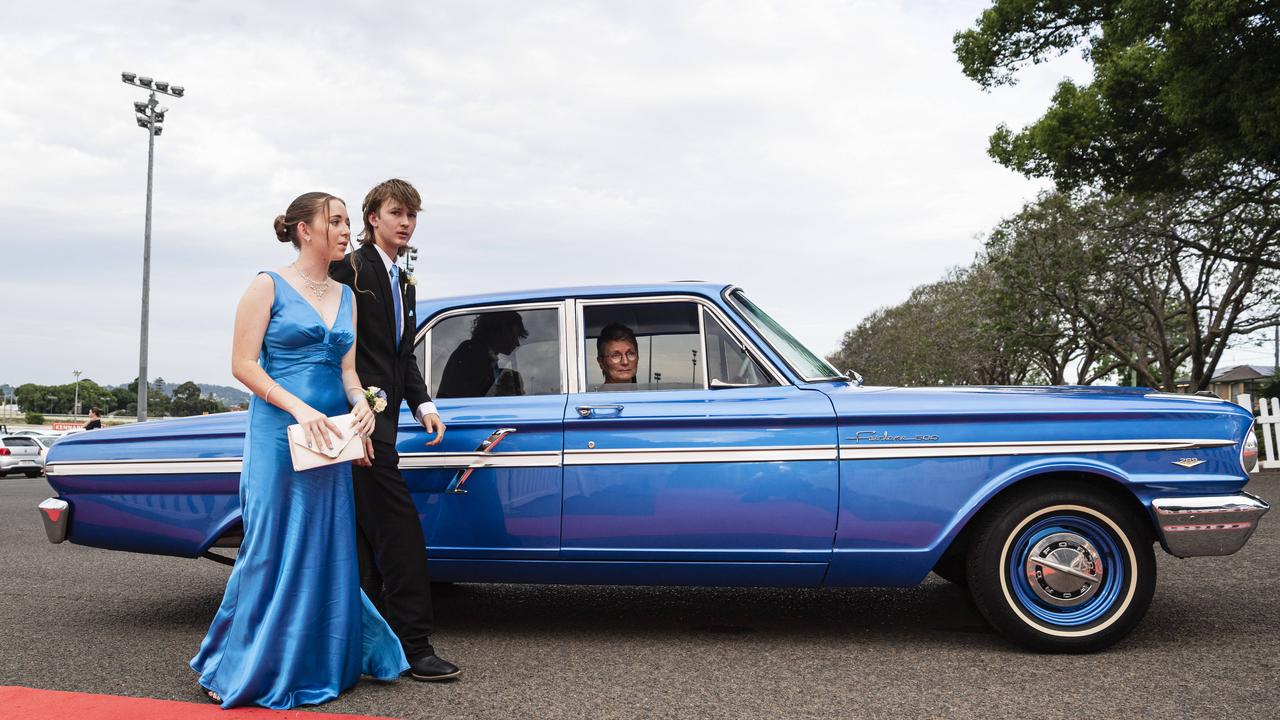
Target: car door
(491,489)
(708,456)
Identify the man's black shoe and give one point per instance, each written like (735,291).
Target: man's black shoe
(432,668)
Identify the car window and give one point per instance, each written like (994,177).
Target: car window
(647,346)
(801,359)
(495,353)
(728,362)
(19,442)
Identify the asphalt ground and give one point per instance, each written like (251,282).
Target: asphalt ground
(80,619)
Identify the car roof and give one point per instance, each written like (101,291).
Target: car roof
(430,306)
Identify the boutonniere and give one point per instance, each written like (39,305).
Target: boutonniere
(410,279)
(376,397)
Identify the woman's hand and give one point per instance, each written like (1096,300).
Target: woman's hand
(316,427)
(362,420)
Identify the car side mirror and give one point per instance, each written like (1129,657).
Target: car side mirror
(854,377)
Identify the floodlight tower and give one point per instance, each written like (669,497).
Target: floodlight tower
(150,117)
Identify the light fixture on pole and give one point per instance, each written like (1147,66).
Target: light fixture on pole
(149,116)
(76,406)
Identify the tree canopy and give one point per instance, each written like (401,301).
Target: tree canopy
(1181,89)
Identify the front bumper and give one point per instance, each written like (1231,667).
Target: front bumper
(1218,525)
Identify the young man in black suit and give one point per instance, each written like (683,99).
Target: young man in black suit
(393,557)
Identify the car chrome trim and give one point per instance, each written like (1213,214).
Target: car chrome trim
(54,511)
(1158,395)
(660,456)
(975,449)
(485,448)
(1199,526)
(229,466)
(421,461)
(180,466)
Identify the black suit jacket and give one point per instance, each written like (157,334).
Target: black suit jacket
(377,360)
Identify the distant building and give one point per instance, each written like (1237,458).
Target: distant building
(1230,383)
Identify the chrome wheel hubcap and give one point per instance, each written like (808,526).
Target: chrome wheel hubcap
(1064,569)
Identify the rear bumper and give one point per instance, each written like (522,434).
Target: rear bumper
(12,464)
(1197,526)
(55,513)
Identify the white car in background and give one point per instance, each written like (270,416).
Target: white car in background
(21,454)
(46,441)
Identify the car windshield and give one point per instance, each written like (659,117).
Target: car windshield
(804,361)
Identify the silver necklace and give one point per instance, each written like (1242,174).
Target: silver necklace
(317,289)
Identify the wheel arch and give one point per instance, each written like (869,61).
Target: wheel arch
(1086,475)
(226,534)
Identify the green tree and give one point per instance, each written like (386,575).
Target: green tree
(1111,274)
(185,400)
(944,333)
(1175,83)
(1184,101)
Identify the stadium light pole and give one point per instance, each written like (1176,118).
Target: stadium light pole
(150,117)
(75,408)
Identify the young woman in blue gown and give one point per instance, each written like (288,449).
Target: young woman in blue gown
(294,628)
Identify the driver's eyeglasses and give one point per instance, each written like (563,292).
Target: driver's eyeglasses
(616,357)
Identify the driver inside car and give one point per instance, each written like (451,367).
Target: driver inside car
(618,354)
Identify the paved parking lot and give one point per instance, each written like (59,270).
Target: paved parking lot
(74,618)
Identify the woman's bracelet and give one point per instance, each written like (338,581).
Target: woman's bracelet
(354,394)
(267,395)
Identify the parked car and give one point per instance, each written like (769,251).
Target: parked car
(46,442)
(735,456)
(21,454)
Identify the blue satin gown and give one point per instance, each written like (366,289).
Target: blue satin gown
(294,628)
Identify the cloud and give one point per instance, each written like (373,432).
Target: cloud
(828,156)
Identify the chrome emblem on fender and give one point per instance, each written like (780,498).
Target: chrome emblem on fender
(884,436)
(1188,462)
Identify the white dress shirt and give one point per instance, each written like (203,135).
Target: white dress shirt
(426,408)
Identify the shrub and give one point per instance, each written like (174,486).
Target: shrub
(34,418)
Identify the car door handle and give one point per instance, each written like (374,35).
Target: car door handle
(590,411)
(484,448)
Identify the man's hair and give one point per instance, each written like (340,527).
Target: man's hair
(395,188)
(488,325)
(613,332)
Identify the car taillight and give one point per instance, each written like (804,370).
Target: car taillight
(1249,451)
(5,451)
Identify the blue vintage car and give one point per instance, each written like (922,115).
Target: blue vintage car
(735,456)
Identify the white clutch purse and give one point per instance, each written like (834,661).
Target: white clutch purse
(346,447)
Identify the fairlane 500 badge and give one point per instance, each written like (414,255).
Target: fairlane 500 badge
(884,436)
(1188,462)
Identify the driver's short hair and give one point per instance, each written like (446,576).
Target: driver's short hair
(613,332)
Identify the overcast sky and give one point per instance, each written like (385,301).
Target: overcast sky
(826,156)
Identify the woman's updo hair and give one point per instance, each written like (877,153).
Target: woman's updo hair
(304,208)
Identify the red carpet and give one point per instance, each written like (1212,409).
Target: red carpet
(20,703)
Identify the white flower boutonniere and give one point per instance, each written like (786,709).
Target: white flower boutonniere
(376,397)
(410,279)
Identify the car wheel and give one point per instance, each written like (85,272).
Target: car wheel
(1063,569)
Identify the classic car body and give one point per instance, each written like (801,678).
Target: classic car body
(761,465)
